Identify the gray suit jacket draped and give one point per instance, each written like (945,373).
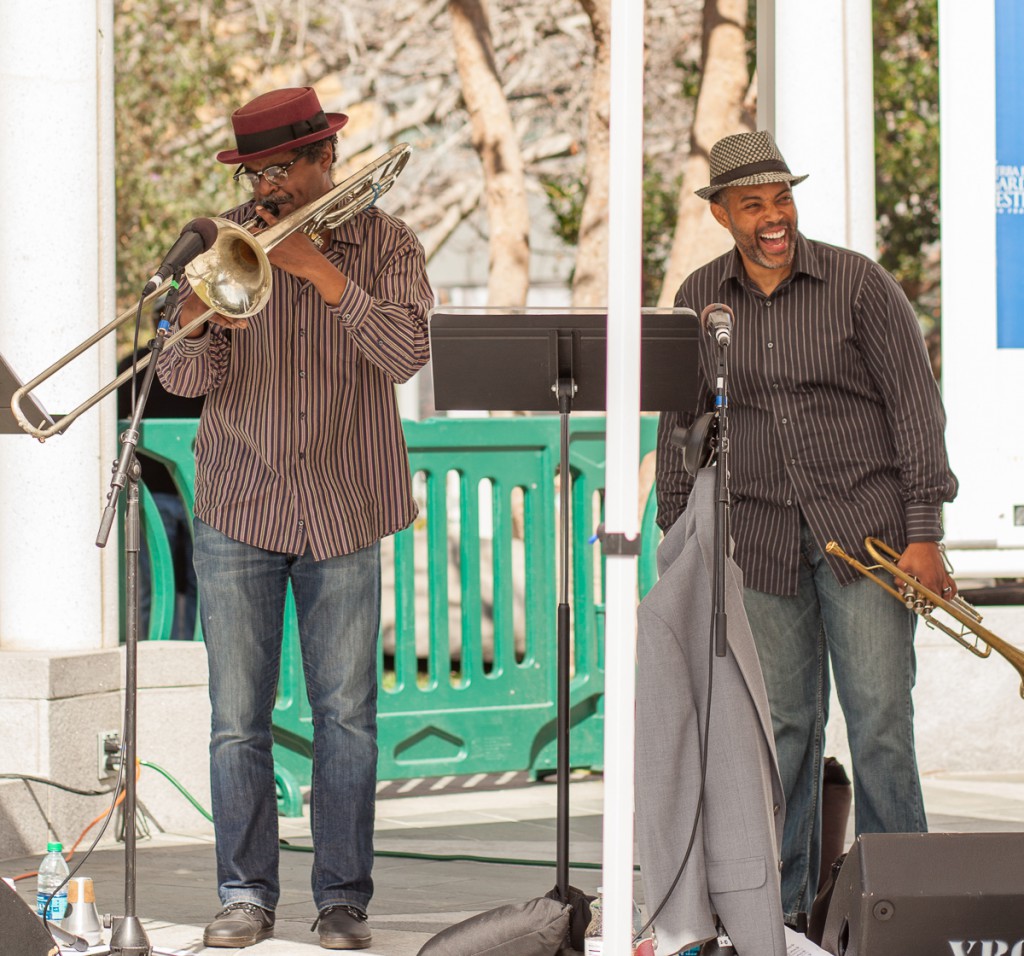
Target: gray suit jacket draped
(733,868)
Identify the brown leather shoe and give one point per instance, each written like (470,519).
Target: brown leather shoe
(239,925)
(343,927)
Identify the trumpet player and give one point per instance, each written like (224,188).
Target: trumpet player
(301,469)
(836,429)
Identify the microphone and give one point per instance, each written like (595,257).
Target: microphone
(718,319)
(194,240)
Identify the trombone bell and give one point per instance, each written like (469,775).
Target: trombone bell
(233,276)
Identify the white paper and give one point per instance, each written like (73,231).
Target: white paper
(798,945)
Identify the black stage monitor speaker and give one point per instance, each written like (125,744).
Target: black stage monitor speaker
(21,931)
(929,894)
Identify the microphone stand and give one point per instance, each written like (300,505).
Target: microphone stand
(719,616)
(128,938)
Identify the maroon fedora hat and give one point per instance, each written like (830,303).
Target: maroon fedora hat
(277,121)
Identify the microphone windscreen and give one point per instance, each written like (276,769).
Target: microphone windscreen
(206,229)
(714,307)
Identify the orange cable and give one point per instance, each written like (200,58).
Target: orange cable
(81,836)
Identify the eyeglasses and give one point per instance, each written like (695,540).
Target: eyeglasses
(275,175)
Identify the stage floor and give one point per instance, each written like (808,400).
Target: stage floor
(508,819)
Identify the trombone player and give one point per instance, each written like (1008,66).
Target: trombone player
(836,431)
(301,469)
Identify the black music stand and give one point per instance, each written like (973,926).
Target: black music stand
(33,411)
(545,360)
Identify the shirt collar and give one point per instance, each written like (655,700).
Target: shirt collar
(806,261)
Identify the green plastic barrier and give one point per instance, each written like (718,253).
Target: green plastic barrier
(467,656)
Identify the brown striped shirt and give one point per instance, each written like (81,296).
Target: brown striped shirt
(300,441)
(833,413)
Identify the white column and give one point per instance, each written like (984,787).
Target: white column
(58,591)
(815,94)
(623,455)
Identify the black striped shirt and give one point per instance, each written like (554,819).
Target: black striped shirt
(833,412)
(300,441)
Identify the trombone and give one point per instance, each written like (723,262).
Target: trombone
(924,601)
(233,276)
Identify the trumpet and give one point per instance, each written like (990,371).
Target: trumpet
(923,601)
(232,277)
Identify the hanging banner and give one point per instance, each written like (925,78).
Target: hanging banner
(1009,35)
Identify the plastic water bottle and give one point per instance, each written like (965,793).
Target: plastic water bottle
(593,936)
(52,872)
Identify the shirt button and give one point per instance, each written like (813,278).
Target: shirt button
(789,501)
(302,333)
(775,385)
(302,374)
(776,809)
(347,315)
(785,421)
(771,345)
(302,524)
(792,461)
(767,303)
(302,416)
(302,455)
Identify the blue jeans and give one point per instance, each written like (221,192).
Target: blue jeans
(241,604)
(869,639)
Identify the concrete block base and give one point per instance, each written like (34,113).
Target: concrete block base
(57,703)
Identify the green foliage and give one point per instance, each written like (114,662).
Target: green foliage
(661,197)
(907,137)
(169,85)
(566,196)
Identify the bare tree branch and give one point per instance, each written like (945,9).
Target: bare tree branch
(720,111)
(495,139)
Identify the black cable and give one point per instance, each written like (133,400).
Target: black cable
(53,783)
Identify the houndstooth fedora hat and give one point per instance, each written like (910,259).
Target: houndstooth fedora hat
(747,159)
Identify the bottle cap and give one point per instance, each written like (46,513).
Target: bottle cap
(54,847)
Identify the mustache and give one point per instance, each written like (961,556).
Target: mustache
(272,205)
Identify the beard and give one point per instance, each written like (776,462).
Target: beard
(751,249)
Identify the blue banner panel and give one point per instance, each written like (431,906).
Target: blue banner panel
(1010,174)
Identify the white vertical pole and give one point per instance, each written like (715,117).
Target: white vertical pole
(825,128)
(56,288)
(972,362)
(623,452)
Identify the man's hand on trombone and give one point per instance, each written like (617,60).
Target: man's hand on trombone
(193,307)
(301,255)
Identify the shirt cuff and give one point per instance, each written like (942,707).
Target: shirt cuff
(195,346)
(353,307)
(924,521)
